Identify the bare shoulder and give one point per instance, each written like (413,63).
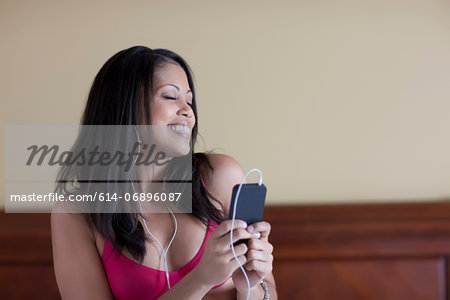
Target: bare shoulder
(65,218)
(75,257)
(226,173)
(225,161)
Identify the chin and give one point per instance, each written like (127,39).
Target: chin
(172,144)
(181,151)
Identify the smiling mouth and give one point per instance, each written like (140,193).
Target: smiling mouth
(180,130)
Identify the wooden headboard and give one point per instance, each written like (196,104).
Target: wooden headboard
(371,251)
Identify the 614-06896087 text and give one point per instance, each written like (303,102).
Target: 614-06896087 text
(140,197)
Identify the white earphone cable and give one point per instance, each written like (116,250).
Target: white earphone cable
(232,225)
(164,252)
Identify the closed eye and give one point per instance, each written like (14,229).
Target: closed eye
(173,98)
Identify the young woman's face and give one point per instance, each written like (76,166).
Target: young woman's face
(171,114)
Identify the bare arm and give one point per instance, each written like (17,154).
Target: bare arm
(227,173)
(78,267)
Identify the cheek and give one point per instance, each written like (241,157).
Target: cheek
(160,114)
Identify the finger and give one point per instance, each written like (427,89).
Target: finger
(258,255)
(238,234)
(262,227)
(258,266)
(258,244)
(240,250)
(242,260)
(226,226)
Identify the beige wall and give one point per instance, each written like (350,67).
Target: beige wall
(335,101)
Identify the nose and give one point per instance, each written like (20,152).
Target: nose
(186,109)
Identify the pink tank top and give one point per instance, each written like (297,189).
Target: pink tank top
(131,280)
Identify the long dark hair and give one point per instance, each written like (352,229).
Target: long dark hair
(115,98)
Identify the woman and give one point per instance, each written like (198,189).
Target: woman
(106,255)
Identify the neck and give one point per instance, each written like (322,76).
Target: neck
(150,175)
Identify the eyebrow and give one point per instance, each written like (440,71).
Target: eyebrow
(189,91)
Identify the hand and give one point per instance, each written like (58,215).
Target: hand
(259,257)
(217,262)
